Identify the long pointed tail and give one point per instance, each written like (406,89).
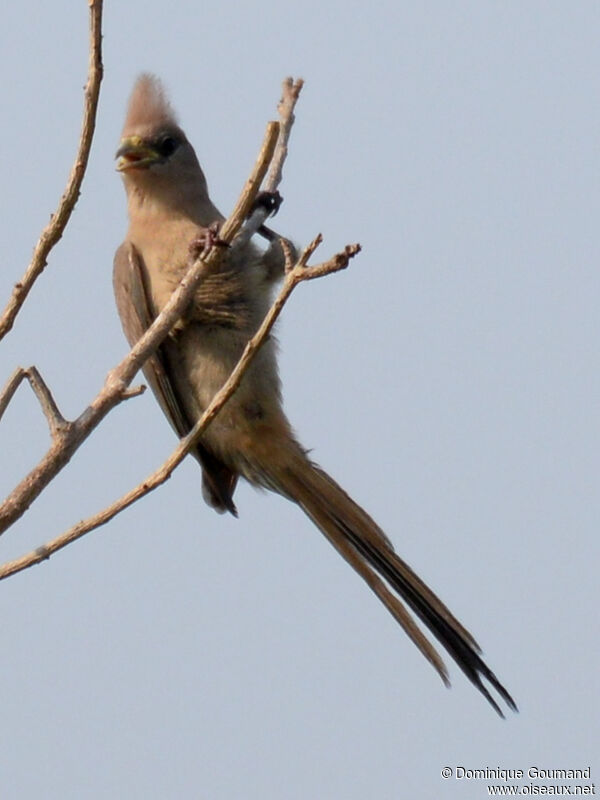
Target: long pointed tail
(364,545)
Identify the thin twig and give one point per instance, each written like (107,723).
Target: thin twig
(56,422)
(289,97)
(58,221)
(11,386)
(300,272)
(118,379)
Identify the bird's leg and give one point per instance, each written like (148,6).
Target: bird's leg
(273,259)
(265,205)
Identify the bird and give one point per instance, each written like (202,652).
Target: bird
(169,208)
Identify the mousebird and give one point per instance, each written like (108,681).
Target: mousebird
(169,208)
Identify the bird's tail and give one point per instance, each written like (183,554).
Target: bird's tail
(368,550)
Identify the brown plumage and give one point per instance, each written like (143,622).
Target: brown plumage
(169,207)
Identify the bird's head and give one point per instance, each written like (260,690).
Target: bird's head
(154,153)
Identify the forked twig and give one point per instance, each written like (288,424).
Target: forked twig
(56,422)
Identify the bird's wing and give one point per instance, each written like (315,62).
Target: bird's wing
(135,311)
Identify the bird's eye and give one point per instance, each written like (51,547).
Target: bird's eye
(167,146)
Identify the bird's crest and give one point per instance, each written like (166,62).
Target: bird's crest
(148,106)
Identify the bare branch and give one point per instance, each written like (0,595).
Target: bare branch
(58,221)
(290,93)
(117,381)
(10,388)
(336,263)
(56,422)
(300,272)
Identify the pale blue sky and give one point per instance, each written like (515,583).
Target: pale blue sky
(449,381)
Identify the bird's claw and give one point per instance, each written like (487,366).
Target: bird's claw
(205,241)
(269,201)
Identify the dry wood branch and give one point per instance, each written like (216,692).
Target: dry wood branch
(117,381)
(58,221)
(10,388)
(300,272)
(56,422)
(289,97)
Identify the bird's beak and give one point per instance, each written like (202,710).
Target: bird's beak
(135,153)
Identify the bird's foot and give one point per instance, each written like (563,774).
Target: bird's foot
(269,201)
(205,241)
